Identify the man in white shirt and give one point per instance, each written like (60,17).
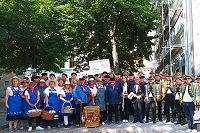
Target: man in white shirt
(188,103)
(168,97)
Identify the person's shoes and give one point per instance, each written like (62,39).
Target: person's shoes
(141,121)
(172,121)
(167,120)
(30,129)
(77,125)
(15,129)
(183,123)
(10,130)
(147,121)
(39,128)
(154,121)
(194,131)
(103,123)
(48,127)
(124,121)
(21,128)
(160,119)
(178,122)
(109,122)
(188,131)
(66,126)
(117,122)
(135,121)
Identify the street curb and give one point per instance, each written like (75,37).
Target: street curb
(3,127)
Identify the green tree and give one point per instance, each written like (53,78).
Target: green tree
(114,29)
(30,36)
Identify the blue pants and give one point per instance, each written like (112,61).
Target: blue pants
(189,113)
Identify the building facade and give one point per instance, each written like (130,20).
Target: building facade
(178,37)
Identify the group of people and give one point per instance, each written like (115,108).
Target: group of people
(119,94)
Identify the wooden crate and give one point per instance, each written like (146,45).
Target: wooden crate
(92,116)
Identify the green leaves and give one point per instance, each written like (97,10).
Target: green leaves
(42,33)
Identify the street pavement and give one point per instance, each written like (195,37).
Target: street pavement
(159,127)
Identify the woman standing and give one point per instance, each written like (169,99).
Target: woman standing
(93,91)
(25,84)
(61,82)
(13,103)
(32,97)
(66,99)
(99,99)
(51,99)
(125,101)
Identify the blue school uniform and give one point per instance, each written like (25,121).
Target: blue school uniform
(33,99)
(53,101)
(15,104)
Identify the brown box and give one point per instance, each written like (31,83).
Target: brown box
(92,114)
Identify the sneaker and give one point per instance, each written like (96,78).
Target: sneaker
(66,126)
(117,122)
(39,128)
(188,131)
(103,123)
(21,128)
(109,122)
(10,130)
(194,131)
(15,129)
(124,121)
(48,127)
(29,129)
(77,125)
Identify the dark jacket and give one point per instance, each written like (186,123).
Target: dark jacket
(113,95)
(141,91)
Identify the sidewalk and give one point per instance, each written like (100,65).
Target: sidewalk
(159,127)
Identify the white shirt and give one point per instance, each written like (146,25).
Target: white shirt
(186,96)
(177,97)
(169,91)
(150,94)
(59,88)
(27,94)
(46,91)
(11,92)
(62,92)
(136,86)
(93,90)
(125,87)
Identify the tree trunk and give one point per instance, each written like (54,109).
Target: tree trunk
(115,56)
(114,49)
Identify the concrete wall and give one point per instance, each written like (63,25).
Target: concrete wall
(196,34)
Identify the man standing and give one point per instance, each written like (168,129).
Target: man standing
(178,96)
(80,93)
(168,97)
(150,99)
(138,92)
(159,85)
(188,103)
(113,100)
